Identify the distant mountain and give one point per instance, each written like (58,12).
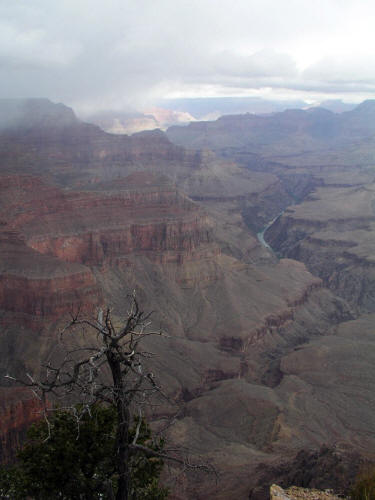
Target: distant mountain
(367,107)
(169,112)
(118,122)
(205,108)
(292,131)
(34,113)
(337,105)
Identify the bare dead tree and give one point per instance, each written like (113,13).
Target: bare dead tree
(108,366)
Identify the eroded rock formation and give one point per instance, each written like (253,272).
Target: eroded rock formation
(333,233)
(258,357)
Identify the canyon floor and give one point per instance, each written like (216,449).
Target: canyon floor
(271,353)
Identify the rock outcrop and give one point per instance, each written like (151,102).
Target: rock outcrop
(295,493)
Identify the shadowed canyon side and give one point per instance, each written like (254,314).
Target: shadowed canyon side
(259,352)
(335,239)
(331,232)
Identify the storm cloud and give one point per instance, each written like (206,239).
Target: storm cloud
(125,54)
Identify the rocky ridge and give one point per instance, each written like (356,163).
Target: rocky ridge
(284,136)
(86,217)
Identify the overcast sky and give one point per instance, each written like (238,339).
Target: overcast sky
(98,54)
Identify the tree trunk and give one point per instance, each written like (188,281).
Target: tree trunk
(123,424)
(123,452)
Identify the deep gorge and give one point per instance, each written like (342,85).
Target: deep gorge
(260,354)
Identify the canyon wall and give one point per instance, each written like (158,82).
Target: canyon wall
(257,358)
(334,239)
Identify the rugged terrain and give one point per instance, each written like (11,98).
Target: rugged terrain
(260,357)
(325,162)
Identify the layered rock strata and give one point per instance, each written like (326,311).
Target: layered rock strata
(42,286)
(87,217)
(335,239)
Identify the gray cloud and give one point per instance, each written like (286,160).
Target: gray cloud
(125,53)
(345,70)
(264,63)
(32,48)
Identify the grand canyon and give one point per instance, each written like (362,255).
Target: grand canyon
(252,238)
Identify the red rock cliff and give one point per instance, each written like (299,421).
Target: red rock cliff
(39,285)
(142,214)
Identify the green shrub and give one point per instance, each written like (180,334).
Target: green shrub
(74,463)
